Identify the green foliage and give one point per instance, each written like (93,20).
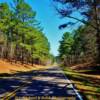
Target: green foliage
(66,45)
(79,47)
(18,25)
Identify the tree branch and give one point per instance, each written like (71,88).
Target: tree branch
(82,21)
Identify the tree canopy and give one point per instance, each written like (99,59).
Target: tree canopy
(89,14)
(20,37)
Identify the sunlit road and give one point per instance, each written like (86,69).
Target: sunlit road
(50,82)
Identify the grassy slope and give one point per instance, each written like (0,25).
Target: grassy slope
(7,67)
(86,82)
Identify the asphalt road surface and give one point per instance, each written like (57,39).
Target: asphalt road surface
(49,84)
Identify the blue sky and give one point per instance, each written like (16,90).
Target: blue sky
(49,20)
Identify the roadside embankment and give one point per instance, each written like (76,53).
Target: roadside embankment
(11,68)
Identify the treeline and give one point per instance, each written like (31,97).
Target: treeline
(83,44)
(78,47)
(21,38)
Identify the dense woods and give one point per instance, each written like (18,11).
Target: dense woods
(21,38)
(78,47)
(82,45)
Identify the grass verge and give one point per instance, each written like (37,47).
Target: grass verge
(12,68)
(87,83)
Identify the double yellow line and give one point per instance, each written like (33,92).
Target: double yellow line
(13,93)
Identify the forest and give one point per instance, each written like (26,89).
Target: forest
(80,45)
(21,36)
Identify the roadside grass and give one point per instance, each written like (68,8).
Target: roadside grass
(88,84)
(8,68)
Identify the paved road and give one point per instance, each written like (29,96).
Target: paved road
(49,83)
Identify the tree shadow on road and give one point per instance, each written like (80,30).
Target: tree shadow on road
(36,86)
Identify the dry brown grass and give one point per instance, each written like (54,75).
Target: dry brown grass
(87,84)
(11,68)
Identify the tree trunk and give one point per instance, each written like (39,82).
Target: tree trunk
(98,32)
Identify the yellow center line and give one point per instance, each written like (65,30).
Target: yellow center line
(12,94)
